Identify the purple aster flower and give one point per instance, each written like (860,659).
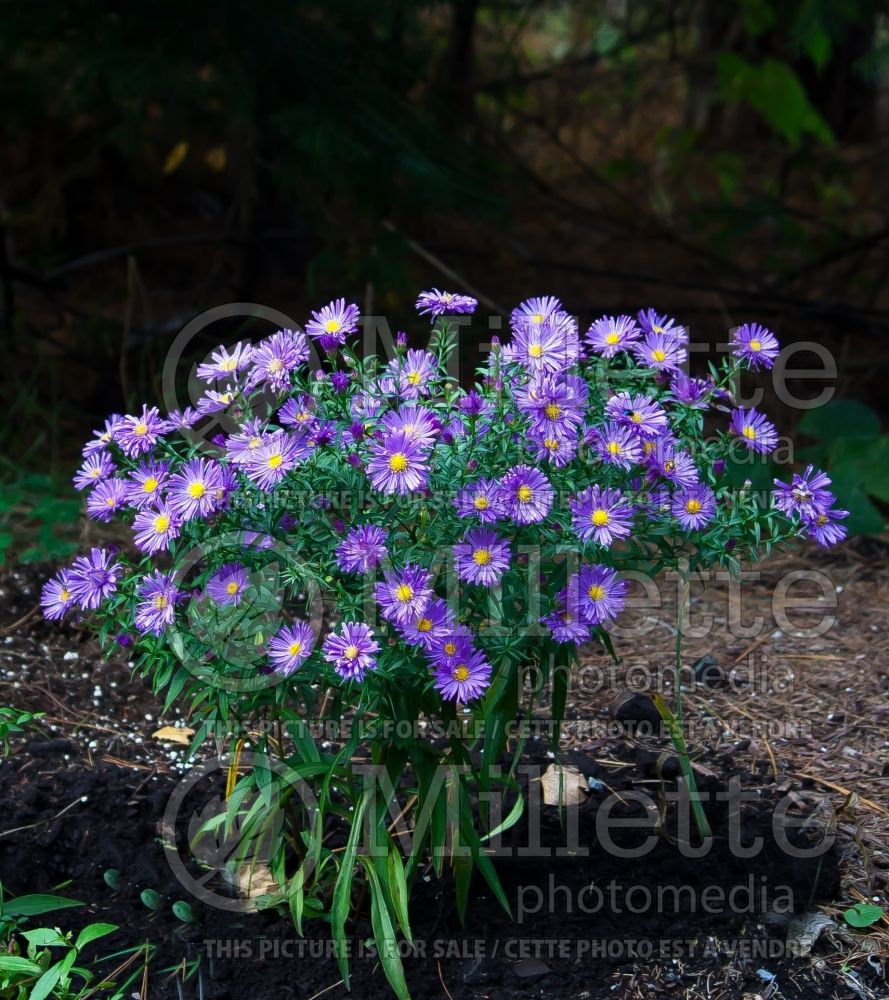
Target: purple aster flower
(565,622)
(362,550)
(616,444)
(611,334)
(755,430)
(106,499)
(640,413)
(95,468)
(418,423)
(694,507)
(224,364)
(404,593)
(652,322)
(550,347)
(481,557)
(535,311)
(427,628)
(279,454)
(56,596)
(601,515)
(242,446)
(552,404)
(473,404)
(556,448)
(449,649)
(676,466)
(480,499)
(807,494)
(436,303)
(464,680)
(275,358)
(192,491)
(155,528)
(290,647)
(598,593)
(227,585)
(416,373)
(104,437)
(93,578)
(157,609)
(661,352)
(339,381)
(526,494)
(298,412)
(334,323)
(352,650)
(822,527)
(398,464)
(214,402)
(144,484)
(756,345)
(181,420)
(691,391)
(139,434)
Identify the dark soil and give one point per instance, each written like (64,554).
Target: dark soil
(76,802)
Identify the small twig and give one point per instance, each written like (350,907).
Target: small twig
(6,629)
(441,980)
(42,822)
(327,989)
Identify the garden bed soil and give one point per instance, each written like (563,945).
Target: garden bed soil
(87,794)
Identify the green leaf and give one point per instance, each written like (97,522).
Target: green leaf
(32,906)
(46,983)
(342,892)
(862,915)
(384,935)
(398,891)
(92,932)
(840,418)
(22,966)
(183,911)
(151,899)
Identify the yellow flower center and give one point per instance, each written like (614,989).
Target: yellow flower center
(461,673)
(162,523)
(398,462)
(150,484)
(228,365)
(648,447)
(636,417)
(535,350)
(552,411)
(64,595)
(821,520)
(450,648)
(551,444)
(140,429)
(481,557)
(95,473)
(600,517)
(294,648)
(196,489)
(404,593)
(351,652)
(749,433)
(537,318)
(614,448)
(303,416)
(274,366)
(755,345)
(109,501)
(669,465)
(424,625)
(613,338)
(255,442)
(523,494)
(480,503)
(274,461)
(658,329)
(161,602)
(233,587)
(693,506)
(596,592)
(413,378)
(333,326)
(658,354)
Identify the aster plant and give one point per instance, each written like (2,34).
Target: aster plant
(373,547)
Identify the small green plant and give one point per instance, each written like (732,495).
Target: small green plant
(863,915)
(39,518)
(41,962)
(14,721)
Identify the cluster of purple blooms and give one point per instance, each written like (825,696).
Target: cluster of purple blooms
(409,432)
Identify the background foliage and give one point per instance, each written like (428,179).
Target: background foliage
(721,161)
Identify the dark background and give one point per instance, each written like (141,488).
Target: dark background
(722,161)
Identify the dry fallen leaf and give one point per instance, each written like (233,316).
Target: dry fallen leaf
(562,786)
(173,734)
